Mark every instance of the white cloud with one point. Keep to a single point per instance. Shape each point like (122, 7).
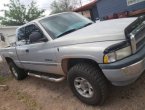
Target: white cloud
(47, 12)
(45, 4)
(26, 2)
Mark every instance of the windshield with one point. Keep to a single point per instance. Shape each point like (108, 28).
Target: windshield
(63, 24)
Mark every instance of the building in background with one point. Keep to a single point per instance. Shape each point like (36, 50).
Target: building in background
(9, 34)
(109, 9)
(89, 10)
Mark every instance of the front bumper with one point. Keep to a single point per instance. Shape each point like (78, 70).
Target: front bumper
(125, 71)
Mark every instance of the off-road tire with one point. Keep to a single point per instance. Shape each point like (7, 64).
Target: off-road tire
(95, 77)
(21, 74)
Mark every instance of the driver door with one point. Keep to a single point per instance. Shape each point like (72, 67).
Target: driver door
(37, 55)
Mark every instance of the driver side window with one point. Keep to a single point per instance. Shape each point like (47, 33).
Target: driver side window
(33, 34)
(30, 34)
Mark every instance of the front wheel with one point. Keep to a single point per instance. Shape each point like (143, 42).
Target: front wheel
(17, 72)
(88, 83)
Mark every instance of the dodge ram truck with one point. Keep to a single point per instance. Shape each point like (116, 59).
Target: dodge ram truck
(89, 55)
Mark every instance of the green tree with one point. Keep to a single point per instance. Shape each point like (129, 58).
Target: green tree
(63, 6)
(19, 14)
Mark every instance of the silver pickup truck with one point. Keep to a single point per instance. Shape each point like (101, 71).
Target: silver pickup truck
(89, 55)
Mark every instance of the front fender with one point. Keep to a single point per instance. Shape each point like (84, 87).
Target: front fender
(93, 51)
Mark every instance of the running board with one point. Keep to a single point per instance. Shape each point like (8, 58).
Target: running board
(47, 77)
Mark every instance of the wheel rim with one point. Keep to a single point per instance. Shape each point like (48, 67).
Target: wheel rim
(14, 72)
(83, 87)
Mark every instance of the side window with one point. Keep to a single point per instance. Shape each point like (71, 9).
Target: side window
(30, 34)
(33, 33)
(21, 34)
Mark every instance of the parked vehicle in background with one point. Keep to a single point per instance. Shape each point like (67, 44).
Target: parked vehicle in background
(89, 55)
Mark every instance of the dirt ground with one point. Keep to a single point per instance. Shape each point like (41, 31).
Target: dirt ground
(37, 94)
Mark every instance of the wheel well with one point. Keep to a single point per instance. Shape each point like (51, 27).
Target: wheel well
(8, 60)
(68, 63)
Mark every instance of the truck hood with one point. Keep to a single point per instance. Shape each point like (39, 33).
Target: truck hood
(110, 30)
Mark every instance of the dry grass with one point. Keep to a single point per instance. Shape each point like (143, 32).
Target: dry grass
(2, 80)
(37, 94)
(22, 97)
(27, 100)
(4, 73)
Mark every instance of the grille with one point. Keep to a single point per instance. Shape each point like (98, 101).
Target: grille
(135, 33)
(140, 38)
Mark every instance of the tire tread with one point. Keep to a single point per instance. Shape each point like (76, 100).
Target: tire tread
(95, 74)
(22, 74)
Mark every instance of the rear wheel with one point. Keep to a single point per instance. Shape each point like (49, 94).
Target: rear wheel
(88, 83)
(17, 72)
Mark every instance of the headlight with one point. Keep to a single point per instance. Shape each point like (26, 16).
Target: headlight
(121, 51)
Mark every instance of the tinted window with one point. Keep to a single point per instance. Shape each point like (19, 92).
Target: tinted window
(29, 29)
(25, 32)
(33, 32)
(21, 34)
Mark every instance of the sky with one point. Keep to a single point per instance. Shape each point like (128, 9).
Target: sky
(42, 4)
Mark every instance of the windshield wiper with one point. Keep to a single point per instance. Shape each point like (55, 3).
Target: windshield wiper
(66, 32)
(87, 24)
(72, 30)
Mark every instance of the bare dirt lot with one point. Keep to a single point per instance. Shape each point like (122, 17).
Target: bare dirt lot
(38, 94)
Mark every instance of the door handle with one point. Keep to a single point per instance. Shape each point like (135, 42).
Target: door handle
(27, 50)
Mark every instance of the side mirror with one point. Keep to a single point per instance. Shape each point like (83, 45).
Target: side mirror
(43, 39)
(36, 37)
(2, 37)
